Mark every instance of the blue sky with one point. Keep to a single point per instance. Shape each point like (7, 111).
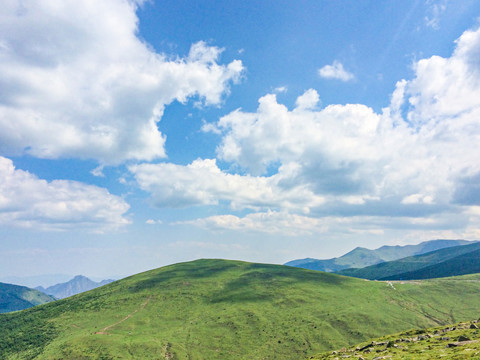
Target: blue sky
(135, 134)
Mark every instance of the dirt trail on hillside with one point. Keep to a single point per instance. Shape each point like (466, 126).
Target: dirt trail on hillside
(104, 330)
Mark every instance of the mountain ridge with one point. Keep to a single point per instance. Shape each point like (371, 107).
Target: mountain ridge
(72, 287)
(438, 263)
(361, 257)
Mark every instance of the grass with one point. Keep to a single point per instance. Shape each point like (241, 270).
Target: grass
(218, 309)
(458, 341)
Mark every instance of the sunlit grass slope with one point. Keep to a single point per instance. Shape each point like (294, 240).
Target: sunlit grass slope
(218, 309)
(456, 341)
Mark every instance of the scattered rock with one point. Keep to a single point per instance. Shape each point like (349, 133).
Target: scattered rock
(463, 338)
(367, 346)
(473, 326)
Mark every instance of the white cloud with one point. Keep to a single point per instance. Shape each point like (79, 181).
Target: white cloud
(153, 222)
(286, 223)
(335, 71)
(413, 166)
(308, 100)
(265, 222)
(27, 201)
(436, 10)
(360, 161)
(209, 127)
(322, 138)
(76, 81)
(446, 91)
(203, 183)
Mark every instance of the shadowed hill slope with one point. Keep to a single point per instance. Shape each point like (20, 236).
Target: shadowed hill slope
(362, 257)
(219, 309)
(15, 297)
(458, 260)
(468, 263)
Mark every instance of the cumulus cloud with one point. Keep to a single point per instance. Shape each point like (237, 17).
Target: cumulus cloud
(30, 202)
(335, 71)
(413, 165)
(76, 81)
(203, 183)
(308, 100)
(417, 158)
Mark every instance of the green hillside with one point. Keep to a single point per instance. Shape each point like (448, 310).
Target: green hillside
(15, 297)
(458, 341)
(440, 263)
(362, 257)
(218, 309)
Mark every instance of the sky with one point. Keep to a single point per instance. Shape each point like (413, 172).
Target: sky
(136, 134)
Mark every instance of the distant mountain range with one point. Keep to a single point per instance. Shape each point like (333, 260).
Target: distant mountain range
(75, 286)
(452, 261)
(32, 281)
(361, 257)
(15, 297)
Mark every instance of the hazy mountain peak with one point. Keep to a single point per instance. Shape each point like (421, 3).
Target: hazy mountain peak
(77, 285)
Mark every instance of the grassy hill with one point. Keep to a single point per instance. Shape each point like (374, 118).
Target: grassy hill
(218, 309)
(458, 341)
(458, 260)
(14, 297)
(362, 257)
